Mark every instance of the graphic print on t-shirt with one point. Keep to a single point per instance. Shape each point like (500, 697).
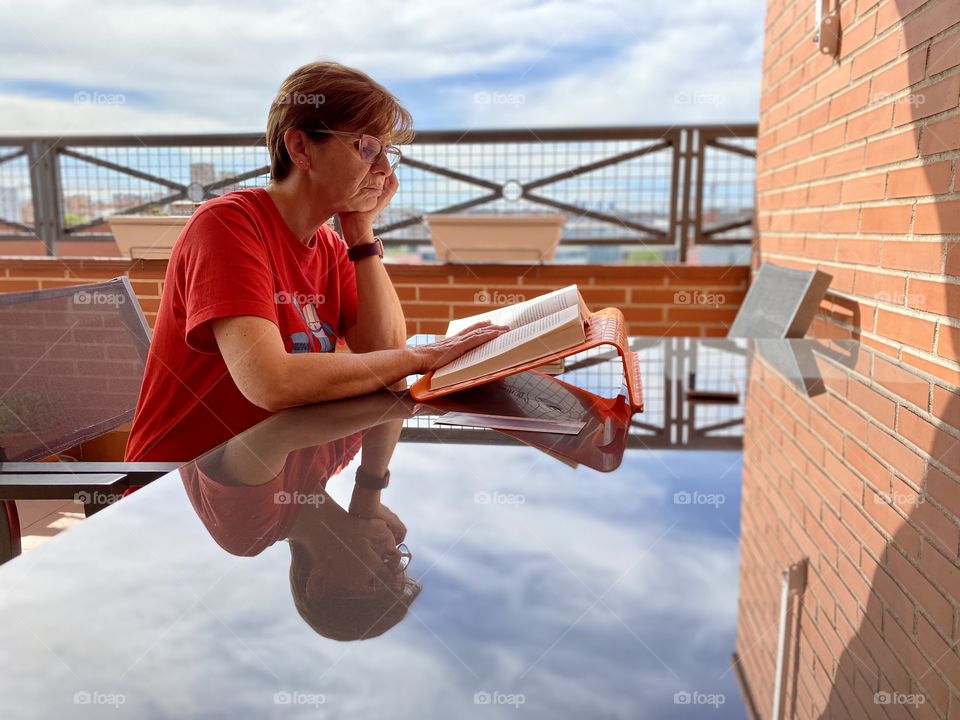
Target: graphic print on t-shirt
(321, 330)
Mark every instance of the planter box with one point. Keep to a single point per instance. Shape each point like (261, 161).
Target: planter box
(146, 236)
(495, 238)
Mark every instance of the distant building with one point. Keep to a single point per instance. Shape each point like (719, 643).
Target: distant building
(9, 204)
(203, 173)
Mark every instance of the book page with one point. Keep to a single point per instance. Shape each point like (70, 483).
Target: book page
(510, 340)
(522, 313)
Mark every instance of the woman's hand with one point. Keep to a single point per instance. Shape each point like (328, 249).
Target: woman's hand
(358, 225)
(437, 354)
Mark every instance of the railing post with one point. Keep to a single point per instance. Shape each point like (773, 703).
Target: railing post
(45, 187)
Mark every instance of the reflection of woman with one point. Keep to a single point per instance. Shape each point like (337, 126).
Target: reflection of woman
(347, 567)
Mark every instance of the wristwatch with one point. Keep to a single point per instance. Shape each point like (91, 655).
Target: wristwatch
(372, 481)
(358, 252)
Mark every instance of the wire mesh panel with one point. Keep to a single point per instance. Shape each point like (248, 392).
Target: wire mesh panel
(16, 196)
(610, 190)
(726, 188)
(97, 181)
(619, 190)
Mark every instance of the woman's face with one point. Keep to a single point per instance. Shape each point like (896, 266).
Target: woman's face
(342, 177)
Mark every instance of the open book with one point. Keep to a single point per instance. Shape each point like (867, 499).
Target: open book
(539, 327)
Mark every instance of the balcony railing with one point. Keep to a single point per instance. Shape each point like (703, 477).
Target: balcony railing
(672, 187)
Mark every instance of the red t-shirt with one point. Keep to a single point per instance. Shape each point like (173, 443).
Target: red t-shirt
(236, 256)
(247, 519)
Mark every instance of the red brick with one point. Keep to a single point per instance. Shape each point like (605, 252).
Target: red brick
(879, 53)
(872, 122)
(953, 259)
(894, 148)
(949, 343)
(886, 219)
(935, 17)
(897, 77)
(919, 256)
(946, 405)
(868, 187)
(857, 35)
(933, 99)
(849, 101)
(906, 329)
(932, 179)
(941, 446)
(932, 296)
(940, 136)
(943, 489)
(938, 218)
(866, 252)
(944, 54)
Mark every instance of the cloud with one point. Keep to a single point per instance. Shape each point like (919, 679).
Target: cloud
(216, 65)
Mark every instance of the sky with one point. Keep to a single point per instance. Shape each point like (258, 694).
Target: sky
(163, 66)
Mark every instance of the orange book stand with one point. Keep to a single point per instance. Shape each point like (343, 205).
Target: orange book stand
(606, 327)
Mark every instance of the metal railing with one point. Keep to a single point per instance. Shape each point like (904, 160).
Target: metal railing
(672, 186)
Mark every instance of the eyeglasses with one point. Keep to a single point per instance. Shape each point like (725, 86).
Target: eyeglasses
(370, 147)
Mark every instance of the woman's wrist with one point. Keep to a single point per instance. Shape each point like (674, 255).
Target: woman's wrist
(356, 234)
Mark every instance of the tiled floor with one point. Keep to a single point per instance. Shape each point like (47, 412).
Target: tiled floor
(40, 520)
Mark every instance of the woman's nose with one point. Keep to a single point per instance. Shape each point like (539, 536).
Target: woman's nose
(382, 165)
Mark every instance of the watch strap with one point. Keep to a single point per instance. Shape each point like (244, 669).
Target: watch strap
(372, 481)
(358, 252)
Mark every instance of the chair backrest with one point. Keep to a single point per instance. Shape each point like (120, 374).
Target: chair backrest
(781, 303)
(71, 364)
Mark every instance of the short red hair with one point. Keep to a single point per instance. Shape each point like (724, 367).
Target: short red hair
(335, 97)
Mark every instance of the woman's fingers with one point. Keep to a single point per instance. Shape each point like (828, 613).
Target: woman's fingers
(475, 326)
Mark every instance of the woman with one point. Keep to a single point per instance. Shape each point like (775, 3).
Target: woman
(259, 290)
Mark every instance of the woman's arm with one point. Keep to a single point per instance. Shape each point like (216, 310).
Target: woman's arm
(273, 379)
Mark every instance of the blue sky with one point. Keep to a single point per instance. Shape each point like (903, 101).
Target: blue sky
(165, 66)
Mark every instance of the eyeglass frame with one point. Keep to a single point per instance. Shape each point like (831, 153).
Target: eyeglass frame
(360, 136)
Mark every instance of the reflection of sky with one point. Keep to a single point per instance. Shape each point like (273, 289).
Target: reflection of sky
(596, 597)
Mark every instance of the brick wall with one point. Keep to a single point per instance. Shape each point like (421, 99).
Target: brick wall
(864, 481)
(858, 175)
(857, 170)
(656, 300)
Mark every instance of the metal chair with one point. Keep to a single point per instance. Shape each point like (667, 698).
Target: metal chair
(71, 364)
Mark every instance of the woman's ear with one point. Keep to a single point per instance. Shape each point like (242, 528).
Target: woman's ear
(296, 143)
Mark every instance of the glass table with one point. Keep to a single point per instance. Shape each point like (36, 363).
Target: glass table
(679, 562)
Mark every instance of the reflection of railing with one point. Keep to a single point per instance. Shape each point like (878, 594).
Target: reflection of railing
(671, 186)
(668, 420)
